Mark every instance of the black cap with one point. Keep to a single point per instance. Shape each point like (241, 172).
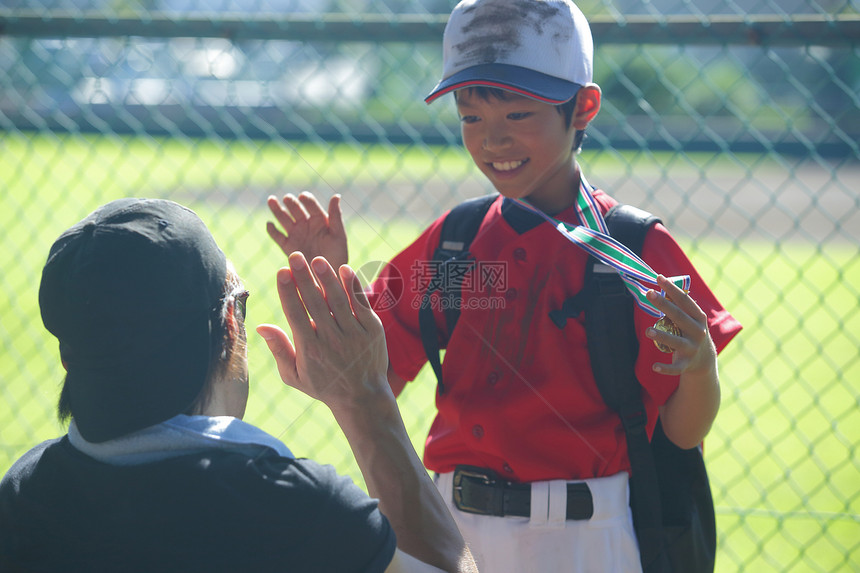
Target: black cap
(130, 292)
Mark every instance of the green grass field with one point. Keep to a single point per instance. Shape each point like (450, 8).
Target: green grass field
(783, 454)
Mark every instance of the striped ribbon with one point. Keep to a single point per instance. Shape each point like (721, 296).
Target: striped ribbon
(593, 236)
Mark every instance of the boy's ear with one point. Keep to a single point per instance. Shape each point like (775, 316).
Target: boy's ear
(587, 106)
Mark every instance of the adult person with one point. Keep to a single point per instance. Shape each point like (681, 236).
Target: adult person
(158, 471)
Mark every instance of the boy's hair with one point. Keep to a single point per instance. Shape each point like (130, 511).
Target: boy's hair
(566, 109)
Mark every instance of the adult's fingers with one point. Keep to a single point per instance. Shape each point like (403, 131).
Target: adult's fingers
(335, 297)
(309, 290)
(358, 298)
(293, 306)
(282, 350)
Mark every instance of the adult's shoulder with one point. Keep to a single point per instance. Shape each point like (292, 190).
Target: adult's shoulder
(25, 465)
(14, 507)
(222, 510)
(277, 489)
(279, 508)
(263, 477)
(320, 506)
(307, 476)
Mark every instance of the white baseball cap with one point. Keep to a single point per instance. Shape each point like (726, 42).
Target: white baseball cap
(540, 49)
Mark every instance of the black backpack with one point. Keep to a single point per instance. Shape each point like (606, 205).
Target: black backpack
(670, 496)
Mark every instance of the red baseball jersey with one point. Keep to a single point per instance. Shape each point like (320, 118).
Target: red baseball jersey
(520, 397)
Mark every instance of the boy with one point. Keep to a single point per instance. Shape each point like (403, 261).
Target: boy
(520, 418)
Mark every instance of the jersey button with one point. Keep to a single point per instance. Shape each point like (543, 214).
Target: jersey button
(511, 294)
(478, 431)
(493, 378)
(519, 254)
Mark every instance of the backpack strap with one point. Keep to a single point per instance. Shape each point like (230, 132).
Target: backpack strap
(451, 256)
(611, 336)
(613, 348)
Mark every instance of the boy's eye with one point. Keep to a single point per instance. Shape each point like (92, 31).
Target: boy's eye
(519, 115)
(469, 118)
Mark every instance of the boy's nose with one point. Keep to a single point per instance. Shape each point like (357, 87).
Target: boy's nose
(496, 139)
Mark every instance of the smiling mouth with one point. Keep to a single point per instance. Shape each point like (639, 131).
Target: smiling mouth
(507, 165)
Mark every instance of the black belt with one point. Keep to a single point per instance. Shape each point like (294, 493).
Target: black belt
(478, 490)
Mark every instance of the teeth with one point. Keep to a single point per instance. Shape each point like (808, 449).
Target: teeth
(507, 165)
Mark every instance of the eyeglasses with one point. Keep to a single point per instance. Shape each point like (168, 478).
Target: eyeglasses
(241, 302)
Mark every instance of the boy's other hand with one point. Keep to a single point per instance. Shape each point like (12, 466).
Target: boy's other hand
(693, 348)
(690, 411)
(305, 227)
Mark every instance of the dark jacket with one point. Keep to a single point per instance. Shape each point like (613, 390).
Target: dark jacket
(61, 510)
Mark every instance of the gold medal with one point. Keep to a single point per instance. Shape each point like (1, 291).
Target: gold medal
(665, 324)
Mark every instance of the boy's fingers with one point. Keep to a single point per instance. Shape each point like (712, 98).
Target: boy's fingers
(311, 206)
(681, 299)
(668, 369)
(280, 211)
(689, 327)
(668, 339)
(275, 206)
(335, 216)
(668, 285)
(678, 306)
(295, 208)
(277, 236)
(663, 303)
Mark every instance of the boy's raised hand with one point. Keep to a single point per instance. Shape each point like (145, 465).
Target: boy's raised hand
(307, 228)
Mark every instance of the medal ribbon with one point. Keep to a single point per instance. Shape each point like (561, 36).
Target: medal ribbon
(593, 236)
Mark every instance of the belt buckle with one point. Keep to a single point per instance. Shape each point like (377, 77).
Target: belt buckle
(462, 473)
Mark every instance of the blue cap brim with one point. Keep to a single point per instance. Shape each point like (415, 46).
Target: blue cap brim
(515, 79)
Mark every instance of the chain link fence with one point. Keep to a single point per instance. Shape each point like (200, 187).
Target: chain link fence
(738, 125)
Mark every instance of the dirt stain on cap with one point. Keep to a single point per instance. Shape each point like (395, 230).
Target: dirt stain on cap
(495, 29)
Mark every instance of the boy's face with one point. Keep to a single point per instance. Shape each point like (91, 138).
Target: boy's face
(522, 146)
